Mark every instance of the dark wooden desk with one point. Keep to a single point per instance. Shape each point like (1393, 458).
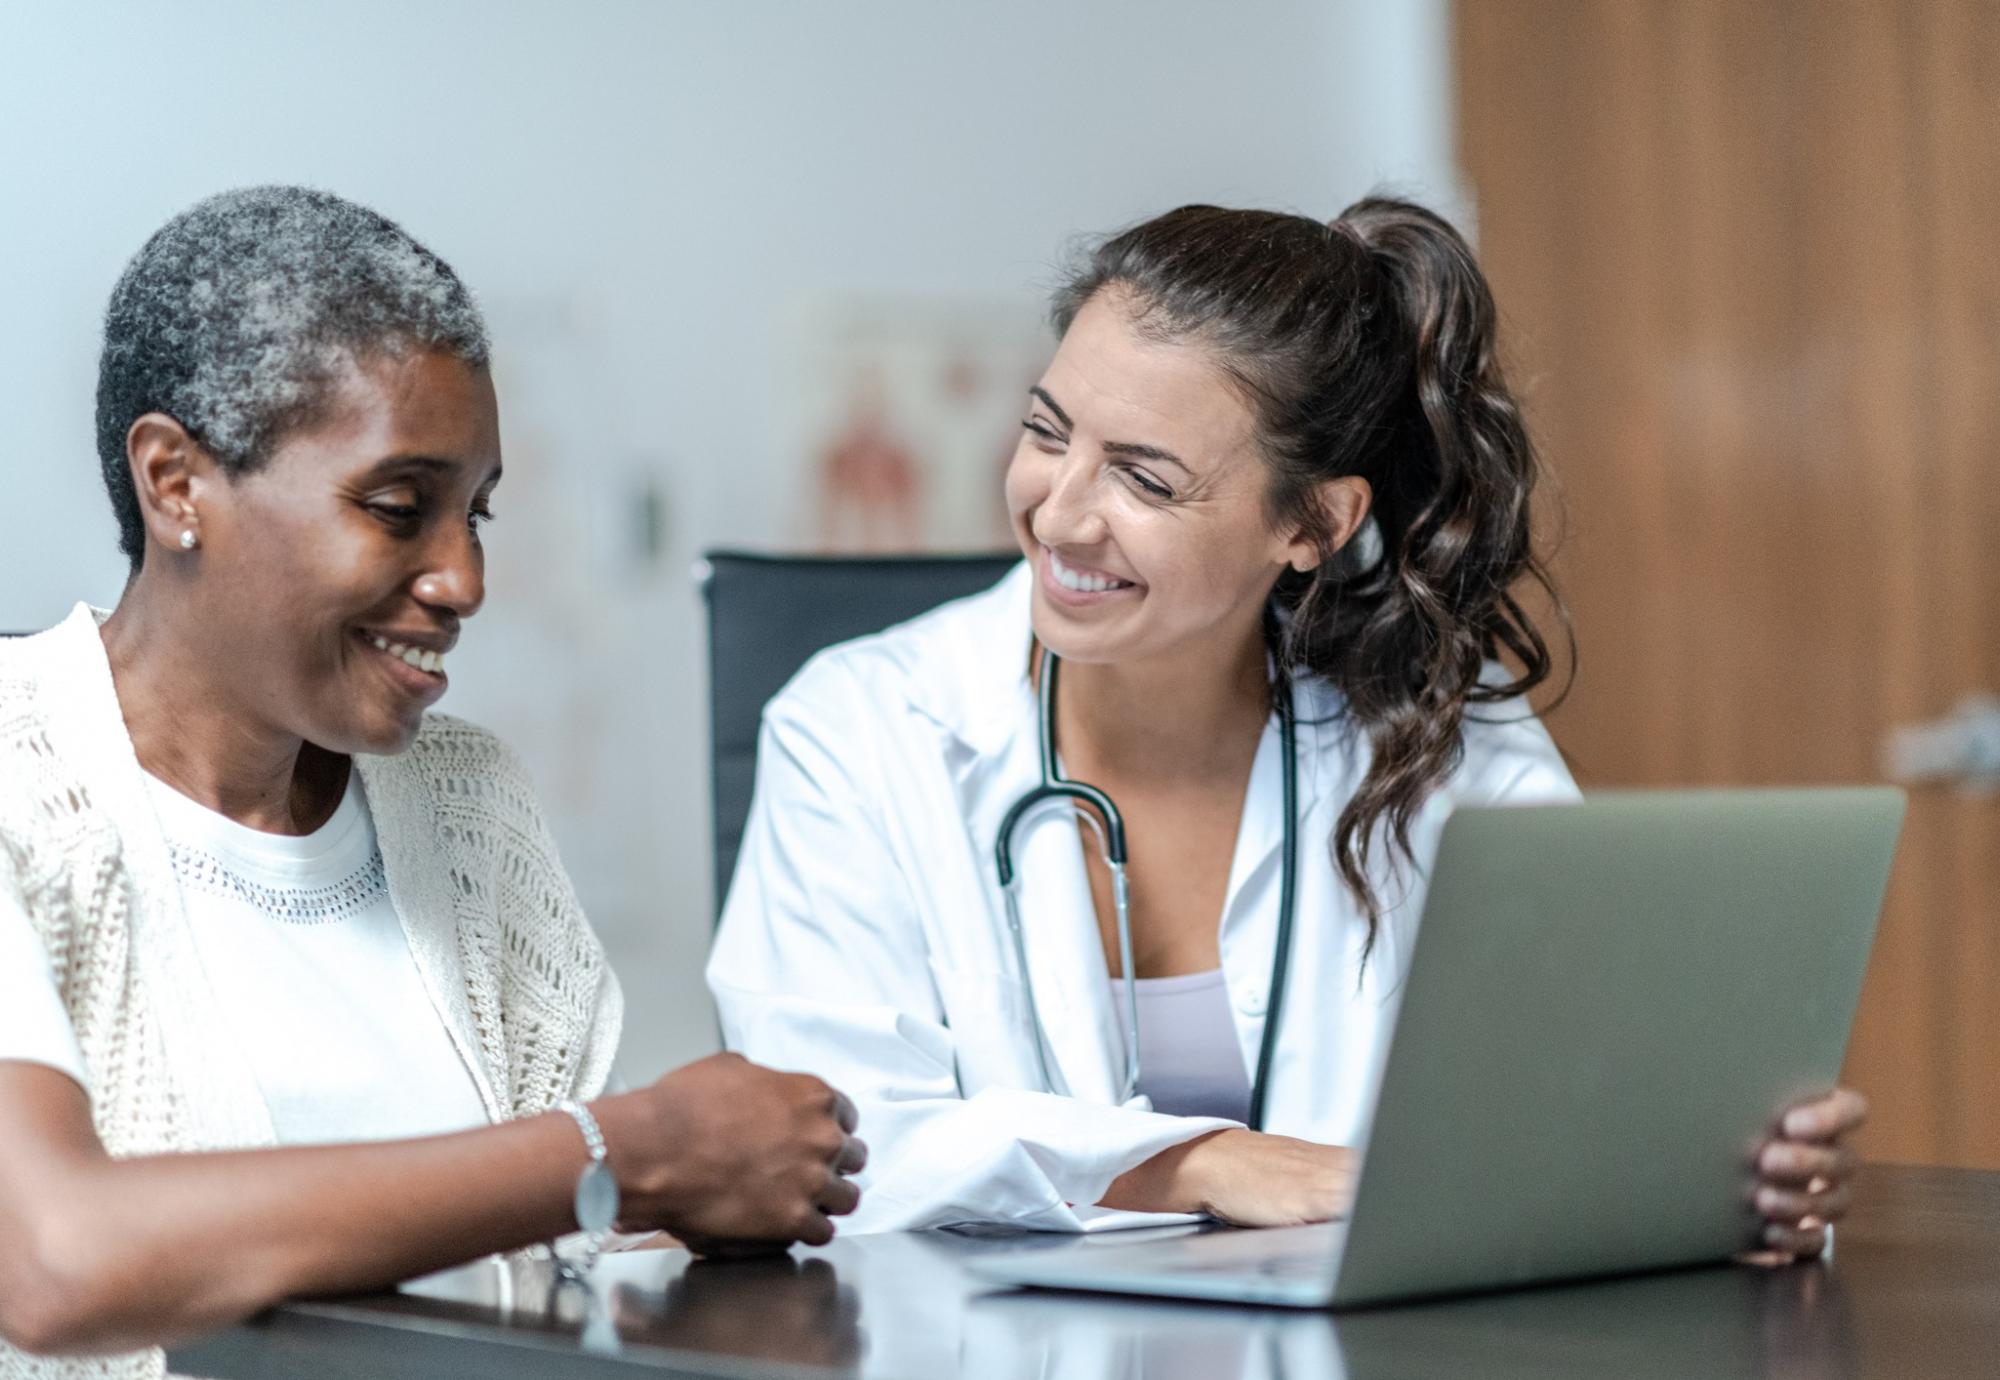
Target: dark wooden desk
(1914, 1292)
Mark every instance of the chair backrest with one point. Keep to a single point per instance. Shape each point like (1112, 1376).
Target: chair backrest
(767, 615)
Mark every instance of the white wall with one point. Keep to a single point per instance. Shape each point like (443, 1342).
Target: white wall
(639, 191)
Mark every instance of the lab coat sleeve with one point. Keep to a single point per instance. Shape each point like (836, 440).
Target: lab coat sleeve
(820, 965)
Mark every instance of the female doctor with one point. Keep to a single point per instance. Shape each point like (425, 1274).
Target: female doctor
(1272, 473)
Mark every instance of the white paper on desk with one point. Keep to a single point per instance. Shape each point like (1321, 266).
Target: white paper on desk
(1080, 1221)
(1067, 1220)
(1094, 1219)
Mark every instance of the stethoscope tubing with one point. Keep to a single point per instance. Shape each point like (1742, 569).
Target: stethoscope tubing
(1055, 786)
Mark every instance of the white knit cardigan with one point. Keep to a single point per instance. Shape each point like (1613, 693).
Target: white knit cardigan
(511, 966)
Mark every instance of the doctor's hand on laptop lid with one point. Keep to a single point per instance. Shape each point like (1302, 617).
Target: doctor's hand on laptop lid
(731, 1157)
(1805, 1174)
(1242, 1177)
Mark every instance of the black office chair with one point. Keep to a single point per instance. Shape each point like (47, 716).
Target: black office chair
(767, 615)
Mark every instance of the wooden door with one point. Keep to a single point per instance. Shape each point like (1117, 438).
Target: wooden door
(1748, 255)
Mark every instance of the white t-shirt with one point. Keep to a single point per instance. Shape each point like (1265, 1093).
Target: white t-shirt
(312, 977)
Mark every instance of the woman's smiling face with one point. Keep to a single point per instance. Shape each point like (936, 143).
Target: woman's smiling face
(1138, 493)
(343, 567)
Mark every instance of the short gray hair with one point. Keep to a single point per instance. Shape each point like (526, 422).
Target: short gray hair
(241, 313)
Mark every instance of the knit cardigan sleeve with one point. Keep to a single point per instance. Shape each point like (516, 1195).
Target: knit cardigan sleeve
(546, 894)
(544, 1005)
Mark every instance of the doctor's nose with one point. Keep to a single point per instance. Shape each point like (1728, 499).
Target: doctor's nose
(1068, 514)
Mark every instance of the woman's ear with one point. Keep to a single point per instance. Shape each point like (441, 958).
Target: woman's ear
(169, 472)
(1343, 506)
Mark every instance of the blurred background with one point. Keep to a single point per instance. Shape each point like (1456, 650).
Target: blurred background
(771, 275)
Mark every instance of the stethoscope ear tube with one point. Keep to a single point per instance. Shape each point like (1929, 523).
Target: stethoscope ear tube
(1288, 870)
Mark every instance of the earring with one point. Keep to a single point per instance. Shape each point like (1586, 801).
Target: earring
(189, 541)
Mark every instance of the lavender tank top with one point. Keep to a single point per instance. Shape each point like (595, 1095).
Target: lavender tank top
(1189, 1062)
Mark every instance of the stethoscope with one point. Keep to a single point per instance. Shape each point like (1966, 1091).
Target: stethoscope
(1109, 826)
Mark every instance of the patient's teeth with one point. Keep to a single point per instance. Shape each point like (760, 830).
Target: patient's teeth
(420, 657)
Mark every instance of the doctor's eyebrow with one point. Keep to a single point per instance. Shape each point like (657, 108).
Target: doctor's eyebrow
(1133, 448)
(1146, 453)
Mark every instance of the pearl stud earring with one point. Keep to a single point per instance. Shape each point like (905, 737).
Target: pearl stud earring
(189, 541)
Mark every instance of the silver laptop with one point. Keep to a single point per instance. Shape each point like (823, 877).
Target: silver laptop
(1607, 1006)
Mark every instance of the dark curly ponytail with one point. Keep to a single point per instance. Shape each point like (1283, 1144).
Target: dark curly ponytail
(1367, 349)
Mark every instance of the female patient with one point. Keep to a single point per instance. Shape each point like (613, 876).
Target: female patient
(1267, 450)
(252, 896)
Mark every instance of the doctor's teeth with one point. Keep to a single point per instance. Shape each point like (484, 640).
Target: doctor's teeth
(1077, 580)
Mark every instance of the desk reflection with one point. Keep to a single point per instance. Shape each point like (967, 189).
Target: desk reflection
(1915, 1293)
(774, 1308)
(1047, 1336)
(1789, 1324)
(1783, 1325)
(903, 1306)
(779, 1309)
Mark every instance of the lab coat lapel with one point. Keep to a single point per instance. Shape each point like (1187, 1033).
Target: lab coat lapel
(1065, 962)
(982, 698)
(1249, 933)
(1065, 956)
(1260, 830)
(1249, 924)
(1260, 835)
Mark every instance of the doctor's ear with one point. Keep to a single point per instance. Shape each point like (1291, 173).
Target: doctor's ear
(1343, 506)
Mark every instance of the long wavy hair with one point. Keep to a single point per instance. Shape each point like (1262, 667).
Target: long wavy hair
(1366, 348)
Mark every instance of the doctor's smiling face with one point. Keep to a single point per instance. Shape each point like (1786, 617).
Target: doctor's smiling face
(1139, 493)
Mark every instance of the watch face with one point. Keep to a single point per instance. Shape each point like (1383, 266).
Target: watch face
(596, 1199)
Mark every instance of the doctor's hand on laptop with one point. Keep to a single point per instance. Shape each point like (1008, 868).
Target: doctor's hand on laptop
(1805, 1174)
(1242, 1177)
(733, 1158)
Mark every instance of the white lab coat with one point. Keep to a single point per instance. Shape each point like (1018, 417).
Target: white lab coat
(864, 938)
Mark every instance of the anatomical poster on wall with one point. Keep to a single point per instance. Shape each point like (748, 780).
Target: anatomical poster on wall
(904, 414)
